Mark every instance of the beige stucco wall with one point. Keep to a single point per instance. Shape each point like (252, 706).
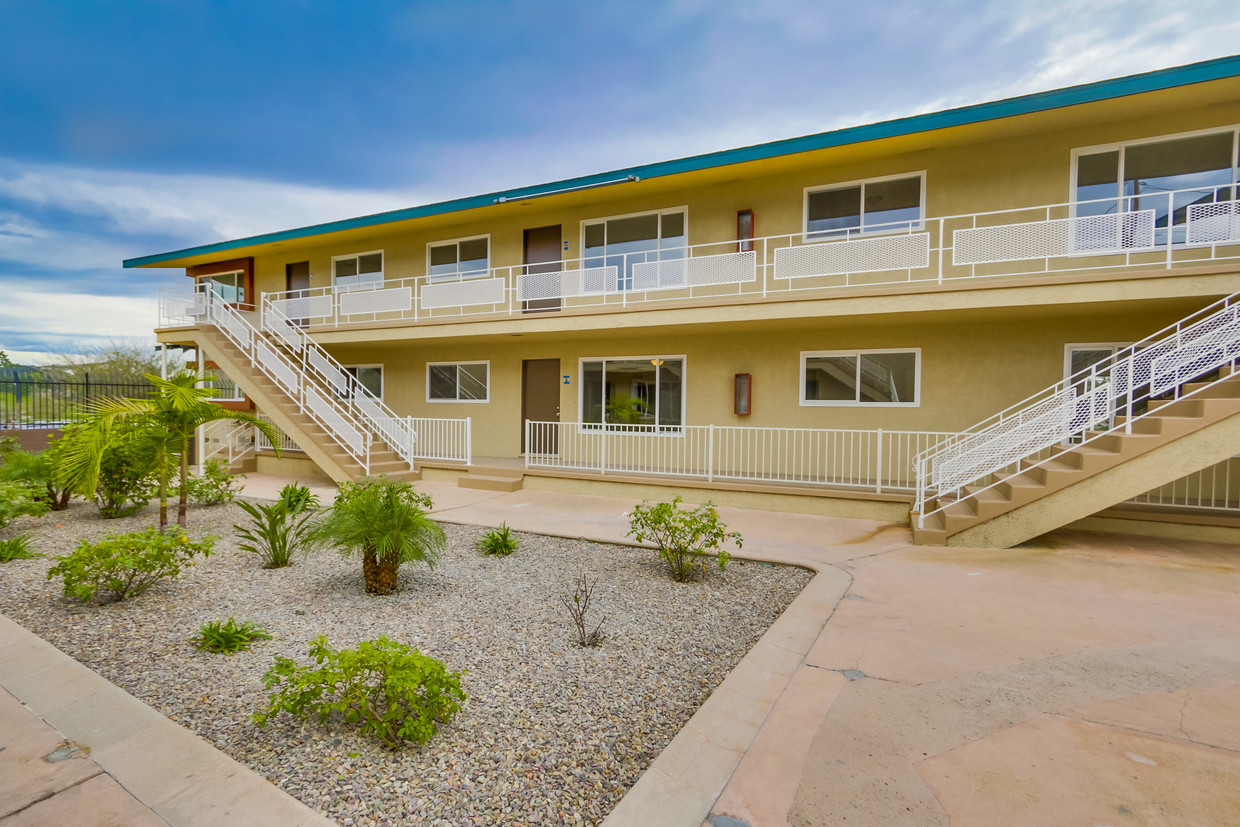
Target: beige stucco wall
(970, 368)
(1016, 163)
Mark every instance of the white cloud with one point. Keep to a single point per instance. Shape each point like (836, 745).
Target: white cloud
(71, 315)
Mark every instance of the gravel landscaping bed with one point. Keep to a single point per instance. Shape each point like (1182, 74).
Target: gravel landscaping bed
(551, 733)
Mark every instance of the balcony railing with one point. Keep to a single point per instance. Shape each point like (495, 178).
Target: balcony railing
(1133, 233)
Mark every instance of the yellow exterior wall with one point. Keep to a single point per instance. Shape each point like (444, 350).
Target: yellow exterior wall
(977, 175)
(969, 370)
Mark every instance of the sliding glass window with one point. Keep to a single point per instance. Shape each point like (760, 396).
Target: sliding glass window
(642, 391)
(622, 242)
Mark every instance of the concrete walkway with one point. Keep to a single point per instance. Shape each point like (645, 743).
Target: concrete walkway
(1082, 679)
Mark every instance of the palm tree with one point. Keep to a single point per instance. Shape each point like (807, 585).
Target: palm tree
(387, 522)
(175, 410)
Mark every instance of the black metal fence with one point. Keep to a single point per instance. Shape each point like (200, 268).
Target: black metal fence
(42, 403)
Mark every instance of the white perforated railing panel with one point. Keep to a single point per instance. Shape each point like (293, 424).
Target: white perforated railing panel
(462, 293)
(862, 255)
(1214, 223)
(271, 363)
(565, 283)
(288, 334)
(1080, 236)
(392, 299)
(725, 268)
(331, 419)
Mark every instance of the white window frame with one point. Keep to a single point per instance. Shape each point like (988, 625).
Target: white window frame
(603, 219)
(1114, 347)
(810, 237)
(1120, 146)
(369, 285)
(655, 429)
(242, 299)
(858, 403)
(379, 366)
(458, 276)
(458, 400)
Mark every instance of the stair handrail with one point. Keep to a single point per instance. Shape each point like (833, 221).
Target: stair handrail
(326, 412)
(1083, 407)
(231, 442)
(396, 432)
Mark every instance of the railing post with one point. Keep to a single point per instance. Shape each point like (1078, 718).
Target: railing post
(603, 460)
(878, 472)
(469, 440)
(710, 452)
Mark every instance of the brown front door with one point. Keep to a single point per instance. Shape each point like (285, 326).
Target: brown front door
(540, 402)
(542, 255)
(297, 283)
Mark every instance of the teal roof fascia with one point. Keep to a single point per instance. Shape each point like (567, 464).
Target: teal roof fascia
(1215, 69)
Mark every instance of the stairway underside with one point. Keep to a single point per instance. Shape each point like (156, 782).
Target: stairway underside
(1179, 438)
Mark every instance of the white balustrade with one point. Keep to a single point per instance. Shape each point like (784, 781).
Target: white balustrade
(1215, 223)
(1082, 235)
(863, 255)
(463, 293)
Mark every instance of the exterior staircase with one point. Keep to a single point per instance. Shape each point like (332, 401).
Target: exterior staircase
(1162, 409)
(339, 425)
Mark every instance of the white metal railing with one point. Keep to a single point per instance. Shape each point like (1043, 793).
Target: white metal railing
(1083, 407)
(326, 411)
(1216, 488)
(876, 460)
(227, 441)
(261, 443)
(1106, 235)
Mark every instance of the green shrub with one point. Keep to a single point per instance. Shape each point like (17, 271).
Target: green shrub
(384, 520)
(37, 470)
(391, 690)
(215, 485)
(498, 542)
(687, 538)
(226, 637)
(16, 548)
(274, 533)
(121, 566)
(128, 470)
(297, 498)
(19, 498)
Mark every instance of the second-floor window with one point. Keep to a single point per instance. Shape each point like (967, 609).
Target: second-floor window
(461, 258)
(879, 205)
(1173, 177)
(628, 240)
(360, 270)
(228, 286)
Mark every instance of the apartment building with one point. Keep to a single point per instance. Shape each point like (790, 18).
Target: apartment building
(973, 312)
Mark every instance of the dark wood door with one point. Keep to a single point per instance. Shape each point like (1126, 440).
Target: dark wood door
(297, 283)
(540, 402)
(542, 255)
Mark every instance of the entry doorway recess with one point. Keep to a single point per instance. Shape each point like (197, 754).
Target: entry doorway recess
(540, 402)
(297, 283)
(542, 255)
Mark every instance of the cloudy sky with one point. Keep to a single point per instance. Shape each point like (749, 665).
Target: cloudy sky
(130, 128)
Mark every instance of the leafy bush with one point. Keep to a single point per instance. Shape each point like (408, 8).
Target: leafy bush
(121, 566)
(275, 534)
(498, 542)
(16, 548)
(391, 690)
(226, 637)
(297, 498)
(19, 498)
(37, 469)
(215, 485)
(128, 470)
(387, 522)
(687, 538)
(578, 604)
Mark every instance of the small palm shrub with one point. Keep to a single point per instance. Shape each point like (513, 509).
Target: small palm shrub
(297, 498)
(386, 522)
(499, 542)
(688, 539)
(389, 689)
(121, 566)
(274, 533)
(227, 637)
(128, 471)
(20, 498)
(215, 485)
(16, 548)
(36, 469)
(577, 602)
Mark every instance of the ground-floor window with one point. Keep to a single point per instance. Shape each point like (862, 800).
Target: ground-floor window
(369, 377)
(635, 390)
(458, 381)
(861, 377)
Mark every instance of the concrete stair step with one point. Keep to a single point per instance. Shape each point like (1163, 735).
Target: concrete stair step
(490, 482)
